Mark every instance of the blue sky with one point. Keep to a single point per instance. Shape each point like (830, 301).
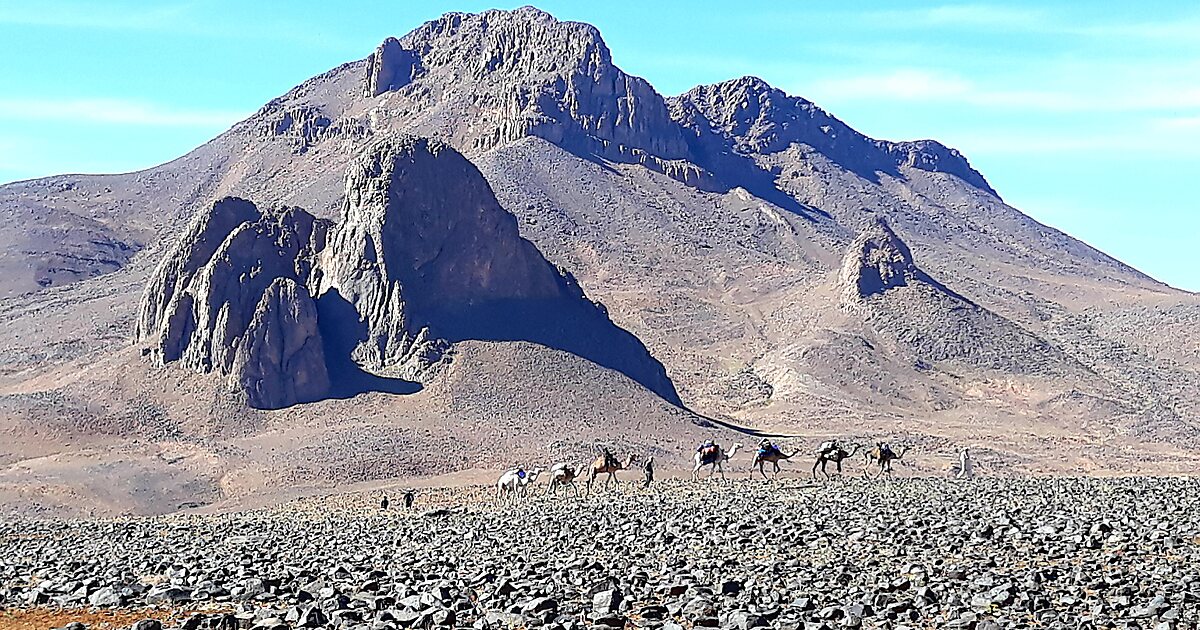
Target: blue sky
(1084, 115)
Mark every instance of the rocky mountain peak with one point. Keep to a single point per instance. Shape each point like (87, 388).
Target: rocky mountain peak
(524, 73)
(522, 41)
(755, 118)
(755, 115)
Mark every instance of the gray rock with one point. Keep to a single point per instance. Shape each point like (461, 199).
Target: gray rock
(105, 596)
(391, 67)
(233, 305)
(607, 602)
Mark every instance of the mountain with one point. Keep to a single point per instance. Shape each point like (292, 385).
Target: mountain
(788, 273)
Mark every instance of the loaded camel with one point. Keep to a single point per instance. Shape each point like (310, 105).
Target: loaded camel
(515, 482)
(714, 456)
(768, 452)
(562, 475)
(832, 451)
(881, 458)
(607, 464)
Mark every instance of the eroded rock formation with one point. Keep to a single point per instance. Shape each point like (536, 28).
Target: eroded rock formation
(225, 299)
(424, 256)
(876, 261)
(926, 320)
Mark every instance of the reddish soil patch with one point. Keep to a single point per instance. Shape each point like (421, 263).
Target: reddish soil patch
(94, 619)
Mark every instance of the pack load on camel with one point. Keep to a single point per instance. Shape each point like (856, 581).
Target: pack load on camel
(767, 448)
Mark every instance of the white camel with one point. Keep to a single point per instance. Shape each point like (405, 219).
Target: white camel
(713, 457)
(562, 475)
(515, 482)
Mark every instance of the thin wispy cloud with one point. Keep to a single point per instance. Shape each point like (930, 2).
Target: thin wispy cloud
(113, 112)
(1178, 123)
(1014, 143)
(924, 85)
(93, 15)
(1184, 28)
(178, 18)
(958, 15)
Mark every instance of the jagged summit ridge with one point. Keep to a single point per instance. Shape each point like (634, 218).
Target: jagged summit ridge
(524, 73)
(755, 117)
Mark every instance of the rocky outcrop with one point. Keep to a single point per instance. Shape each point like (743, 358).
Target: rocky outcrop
(391, 67)
(195, 247)
(223, 300)
(426, 256)
(280, 359)
(876, 261)
(935, 157)
(423, 257)
(928, 322)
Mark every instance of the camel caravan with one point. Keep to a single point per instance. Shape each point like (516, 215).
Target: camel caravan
(877, 463)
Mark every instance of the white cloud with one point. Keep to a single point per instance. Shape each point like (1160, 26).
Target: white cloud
(91, 15)
(982, 15)
(1071, 22)
(114, 112)
(931, 86)
(1178, 123)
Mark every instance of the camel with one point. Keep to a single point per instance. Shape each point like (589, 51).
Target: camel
(528, 480)
(607, 464)
(515, 482)
(563, 474)
(881, 457)
(768, 452)
(713, 457)
(832, 452)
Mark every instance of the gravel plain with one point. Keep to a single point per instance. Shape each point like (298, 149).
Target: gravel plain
(902, 553)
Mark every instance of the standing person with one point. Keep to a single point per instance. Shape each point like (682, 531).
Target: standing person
(408, 499)
(648, 472)
(966, 469)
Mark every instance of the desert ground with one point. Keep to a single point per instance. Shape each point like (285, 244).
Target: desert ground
(904, 552)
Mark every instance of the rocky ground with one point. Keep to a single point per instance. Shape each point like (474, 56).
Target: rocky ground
(907, 553)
